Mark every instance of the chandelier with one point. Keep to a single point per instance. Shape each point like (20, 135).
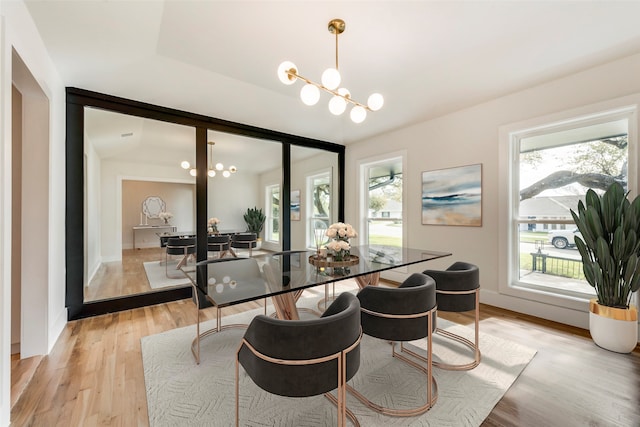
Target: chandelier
(213, 170)
(310, 92)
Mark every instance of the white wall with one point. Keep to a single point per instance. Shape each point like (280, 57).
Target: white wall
(471, 136)
(17, 31)
(230, 197)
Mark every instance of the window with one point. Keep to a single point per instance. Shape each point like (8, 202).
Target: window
(319, 202)
(383, 201)
(272, 209)
(552, 168)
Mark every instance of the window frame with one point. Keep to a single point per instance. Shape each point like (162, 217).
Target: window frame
(310, 218)
(510, 135)
(398, 274)
(268, 197)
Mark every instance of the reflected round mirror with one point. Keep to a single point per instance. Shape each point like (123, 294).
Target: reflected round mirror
(153, 206)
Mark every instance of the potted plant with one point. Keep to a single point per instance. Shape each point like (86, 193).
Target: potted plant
(610, 250)
(255, 221)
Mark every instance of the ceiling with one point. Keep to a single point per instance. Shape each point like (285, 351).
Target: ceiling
(428, 58)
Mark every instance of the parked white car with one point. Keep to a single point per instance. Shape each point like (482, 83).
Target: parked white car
(563, 239)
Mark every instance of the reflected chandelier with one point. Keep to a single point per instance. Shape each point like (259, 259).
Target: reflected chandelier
(212, 170)
(310, 92)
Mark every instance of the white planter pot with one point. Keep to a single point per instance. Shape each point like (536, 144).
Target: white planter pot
(613, 329)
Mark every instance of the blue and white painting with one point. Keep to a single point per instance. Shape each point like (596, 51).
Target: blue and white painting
(452, 196)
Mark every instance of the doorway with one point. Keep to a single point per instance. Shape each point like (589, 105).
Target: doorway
(29, 224)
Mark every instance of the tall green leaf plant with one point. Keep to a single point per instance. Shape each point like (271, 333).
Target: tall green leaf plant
(610, 244)
(255, 220)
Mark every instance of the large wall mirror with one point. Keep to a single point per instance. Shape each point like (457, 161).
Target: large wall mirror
(132, 184)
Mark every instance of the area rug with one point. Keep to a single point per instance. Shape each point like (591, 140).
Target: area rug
(157, 275)
(181, 393)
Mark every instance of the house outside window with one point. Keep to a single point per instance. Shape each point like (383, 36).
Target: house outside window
(552, 169)
(383, 198)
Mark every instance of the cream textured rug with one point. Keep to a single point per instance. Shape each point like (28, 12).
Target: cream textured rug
(157, 275)
(181, 393)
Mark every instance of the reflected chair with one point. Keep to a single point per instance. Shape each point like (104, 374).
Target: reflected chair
(458, 290)
(301, 358)
(405, 313)
(177, 246)
(244, 241)
(219, 244)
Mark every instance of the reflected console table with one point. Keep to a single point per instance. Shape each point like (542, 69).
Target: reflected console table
(137, 228)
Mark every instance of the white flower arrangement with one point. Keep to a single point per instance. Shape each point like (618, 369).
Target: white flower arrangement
(340, 233)
(166, 216)
(212, 224)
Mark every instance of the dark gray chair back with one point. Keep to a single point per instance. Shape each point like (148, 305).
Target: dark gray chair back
(460, 276)
(417, 294)
(181, 246)
(335, 331)
(218, 243)
(244, 240)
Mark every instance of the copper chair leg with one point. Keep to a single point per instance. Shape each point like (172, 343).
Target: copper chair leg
(475, 346)
(432, 386)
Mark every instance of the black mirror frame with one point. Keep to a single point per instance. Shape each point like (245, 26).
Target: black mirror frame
(76, 101)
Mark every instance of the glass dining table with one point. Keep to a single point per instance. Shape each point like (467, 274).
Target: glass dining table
(283, 276)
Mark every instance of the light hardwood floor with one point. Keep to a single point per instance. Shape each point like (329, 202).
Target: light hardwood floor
(126, 277)
(94, 374)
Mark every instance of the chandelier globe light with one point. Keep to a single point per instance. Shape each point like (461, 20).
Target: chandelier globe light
(211, 170)
(330, 82)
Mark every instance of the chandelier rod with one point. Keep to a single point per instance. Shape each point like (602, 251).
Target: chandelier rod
(337, 34)
(293, 75)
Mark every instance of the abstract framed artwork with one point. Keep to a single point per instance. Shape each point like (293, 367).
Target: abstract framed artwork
(295, 205)
(452, 196)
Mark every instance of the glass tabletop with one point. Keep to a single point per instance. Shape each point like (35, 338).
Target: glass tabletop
(230, 281)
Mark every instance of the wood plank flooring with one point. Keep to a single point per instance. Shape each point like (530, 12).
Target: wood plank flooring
(94, 374)
(126, 277)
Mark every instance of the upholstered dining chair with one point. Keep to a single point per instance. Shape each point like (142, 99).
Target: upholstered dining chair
(219, 244)
(405, 313)
(244, 241)
(458, 290)
(177, 246)
(301, 358)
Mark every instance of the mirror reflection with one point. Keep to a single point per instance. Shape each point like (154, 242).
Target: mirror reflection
(314, 194)
(140, 193)
(134, 192)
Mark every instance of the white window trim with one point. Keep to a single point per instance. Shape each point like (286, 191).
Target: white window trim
(267, 208)
(561, 308)
(398, 274)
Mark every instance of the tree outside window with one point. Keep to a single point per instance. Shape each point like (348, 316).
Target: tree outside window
(555, 170)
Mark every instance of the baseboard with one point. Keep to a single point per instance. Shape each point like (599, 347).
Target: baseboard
(57, 326)
(567, 316)
(95, 270)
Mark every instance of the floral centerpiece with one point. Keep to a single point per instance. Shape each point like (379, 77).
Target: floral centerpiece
(165, 216)
(340, 233)
(212, 225)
